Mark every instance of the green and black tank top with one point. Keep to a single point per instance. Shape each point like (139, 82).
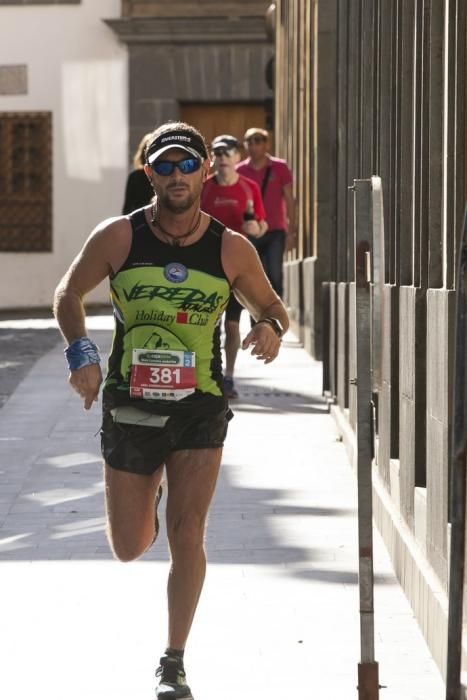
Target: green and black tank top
(167, 297)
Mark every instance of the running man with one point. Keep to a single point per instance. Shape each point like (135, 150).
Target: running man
(171, 268)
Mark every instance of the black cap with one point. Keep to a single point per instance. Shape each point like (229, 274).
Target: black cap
(179, 138)
(225, 141)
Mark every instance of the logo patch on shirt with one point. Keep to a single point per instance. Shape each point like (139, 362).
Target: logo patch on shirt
(175, 272)
(182, 317)
(225, 202)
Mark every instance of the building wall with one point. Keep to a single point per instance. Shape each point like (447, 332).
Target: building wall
(389, 78)
(76, 69)
(184, 53)
(162, 77)
(108, 72)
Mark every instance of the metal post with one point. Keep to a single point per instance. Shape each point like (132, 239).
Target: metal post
(368, 683)
(377, 278)
(326, 306)
(457, 482)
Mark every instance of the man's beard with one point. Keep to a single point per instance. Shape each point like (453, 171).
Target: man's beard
(177, 207)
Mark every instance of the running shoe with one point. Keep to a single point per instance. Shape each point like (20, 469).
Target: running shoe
(172, 684)
(229, 388)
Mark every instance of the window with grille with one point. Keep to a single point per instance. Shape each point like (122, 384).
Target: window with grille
(25, 182)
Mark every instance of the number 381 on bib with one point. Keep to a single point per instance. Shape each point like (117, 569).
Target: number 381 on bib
(162, 374)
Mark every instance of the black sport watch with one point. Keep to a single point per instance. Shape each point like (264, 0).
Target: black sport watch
(276, 326)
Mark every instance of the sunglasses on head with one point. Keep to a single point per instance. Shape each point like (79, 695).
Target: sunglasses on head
(256, 139)
(186, 166)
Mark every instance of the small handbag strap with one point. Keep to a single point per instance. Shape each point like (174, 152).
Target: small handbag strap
(264, 184)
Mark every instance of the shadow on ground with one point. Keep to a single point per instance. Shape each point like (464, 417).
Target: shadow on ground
(20, 349)
(55, 519)
(264, 398)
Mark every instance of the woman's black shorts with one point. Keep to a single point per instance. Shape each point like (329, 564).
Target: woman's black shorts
(142, 449)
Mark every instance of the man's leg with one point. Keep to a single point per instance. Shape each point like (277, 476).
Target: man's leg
(271, 256)
(130, 501)
(191, 479)
(232, 345)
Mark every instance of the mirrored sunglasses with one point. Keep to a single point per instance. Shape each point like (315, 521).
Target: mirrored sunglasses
(186, 166)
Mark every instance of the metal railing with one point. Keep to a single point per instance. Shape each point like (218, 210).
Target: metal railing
(368, 268)
(454, 689)
(368, 670)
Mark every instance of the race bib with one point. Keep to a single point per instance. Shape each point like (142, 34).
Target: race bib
(162, 374)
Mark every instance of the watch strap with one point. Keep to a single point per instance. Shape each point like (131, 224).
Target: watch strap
(274, 323)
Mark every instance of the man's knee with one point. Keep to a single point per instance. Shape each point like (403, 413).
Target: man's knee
(186, 533)
(128, 547)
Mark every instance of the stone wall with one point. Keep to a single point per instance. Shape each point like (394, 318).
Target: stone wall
(396, 83)
(191, 52)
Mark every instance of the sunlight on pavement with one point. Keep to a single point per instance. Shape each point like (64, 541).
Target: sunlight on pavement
(56, 496)
(9, 544)
(72, 459)
(95, 323)
(80, 527)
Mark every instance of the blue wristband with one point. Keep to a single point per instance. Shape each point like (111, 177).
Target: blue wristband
(82, 352)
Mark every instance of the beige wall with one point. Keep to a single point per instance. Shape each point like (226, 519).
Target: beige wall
(77, 70)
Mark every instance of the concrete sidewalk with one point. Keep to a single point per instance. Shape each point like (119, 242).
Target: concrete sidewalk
(279, 613)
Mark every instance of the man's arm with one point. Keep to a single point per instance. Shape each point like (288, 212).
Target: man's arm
(259, 210)
(253, 290)
(90, 267)
(290, 209)
(255, 228)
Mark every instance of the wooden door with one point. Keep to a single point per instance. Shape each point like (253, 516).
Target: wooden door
(214, 118)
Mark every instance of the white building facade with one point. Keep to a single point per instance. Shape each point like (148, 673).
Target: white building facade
(63, 121)
(81, 81)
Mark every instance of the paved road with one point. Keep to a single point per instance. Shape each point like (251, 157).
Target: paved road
(19, 350)
(24, 337)
(279, 614)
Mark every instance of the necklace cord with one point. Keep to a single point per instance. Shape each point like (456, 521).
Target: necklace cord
(170, 237)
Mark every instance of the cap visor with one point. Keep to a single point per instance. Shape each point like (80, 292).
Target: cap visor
(172, 147)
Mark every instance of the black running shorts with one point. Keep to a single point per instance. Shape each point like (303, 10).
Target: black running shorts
(142, 449)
